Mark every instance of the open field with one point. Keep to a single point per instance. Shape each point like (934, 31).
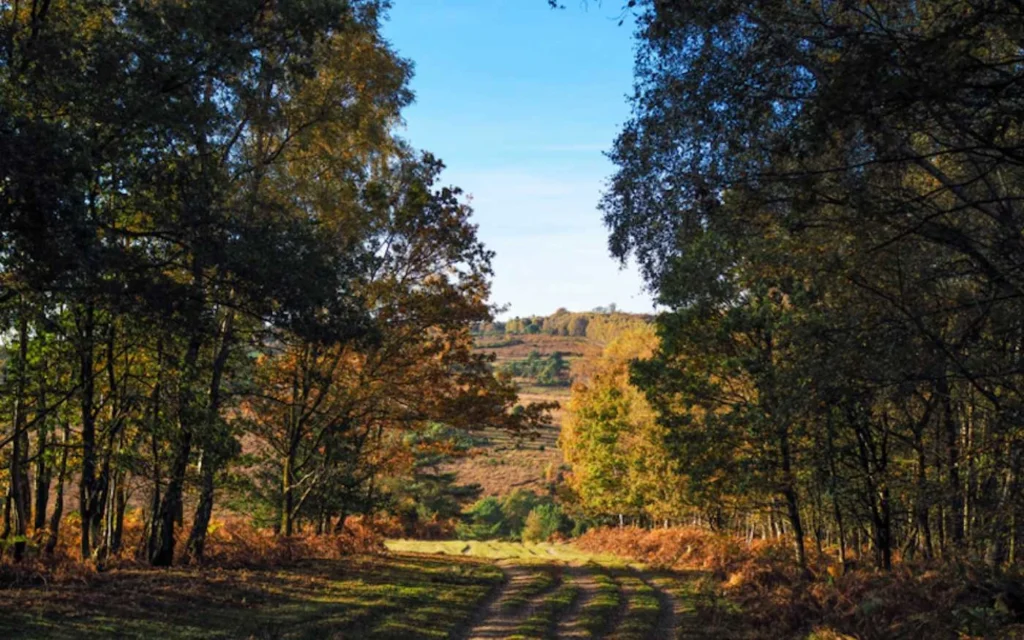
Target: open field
(520, 346)
(504, 463)
(500, 550)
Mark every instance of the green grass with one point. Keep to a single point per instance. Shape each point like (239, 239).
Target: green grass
(541, 623)
(387, 597)
(499, 550)
(642, 610)
(596, 615)
(541, 579)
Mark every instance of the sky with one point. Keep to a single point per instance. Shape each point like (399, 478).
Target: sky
(520, 102)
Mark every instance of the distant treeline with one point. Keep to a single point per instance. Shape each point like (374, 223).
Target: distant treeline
(602, 325)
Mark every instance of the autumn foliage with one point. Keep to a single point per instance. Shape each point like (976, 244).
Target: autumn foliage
(913, 600)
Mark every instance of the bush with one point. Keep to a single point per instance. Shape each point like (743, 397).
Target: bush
(521, 515)
(544, 521)
(485, 521)
(516, 507)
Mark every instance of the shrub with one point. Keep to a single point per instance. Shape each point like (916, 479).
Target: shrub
(485, 521)
(544, 521)
(516, 507)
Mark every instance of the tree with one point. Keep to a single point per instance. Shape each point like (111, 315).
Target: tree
(836, 181)
(618, 453)
(211, 233)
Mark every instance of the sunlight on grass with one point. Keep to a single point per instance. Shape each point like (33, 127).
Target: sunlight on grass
(501, 550)
(379, 597)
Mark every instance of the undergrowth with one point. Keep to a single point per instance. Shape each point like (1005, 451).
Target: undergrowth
(230, 544)
(911, 601)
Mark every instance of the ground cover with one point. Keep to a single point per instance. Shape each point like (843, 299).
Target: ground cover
(364, 597)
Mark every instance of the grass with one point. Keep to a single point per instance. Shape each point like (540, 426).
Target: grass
(500, 550)
(365, 597)
(597, 615)
(541, 623)
(541, 579)
(642, 610)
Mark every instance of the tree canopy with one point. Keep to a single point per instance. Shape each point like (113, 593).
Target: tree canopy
(826, 198)
(222, 270)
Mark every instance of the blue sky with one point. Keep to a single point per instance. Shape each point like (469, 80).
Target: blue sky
(520, 102)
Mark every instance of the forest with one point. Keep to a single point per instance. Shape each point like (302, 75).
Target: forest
(248, 333)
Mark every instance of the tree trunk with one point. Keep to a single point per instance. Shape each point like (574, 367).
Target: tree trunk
(196, 545)
(20, 489)
(954, 488)
(58, 501)
(792, 501)
(87, 383)
(161, 547)
(287, 497)
(217, 445)
(921, 505)
(43, 473)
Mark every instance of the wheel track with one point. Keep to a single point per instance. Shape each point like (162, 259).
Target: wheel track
(494, 620)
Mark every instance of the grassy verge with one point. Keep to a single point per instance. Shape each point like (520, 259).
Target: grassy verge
(364, 597)
(642, 610)
(596, 615)
(541, 623)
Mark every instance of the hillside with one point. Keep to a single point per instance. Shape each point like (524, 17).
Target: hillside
(504, 463)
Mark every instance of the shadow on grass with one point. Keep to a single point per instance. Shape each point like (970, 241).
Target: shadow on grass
(366, 597)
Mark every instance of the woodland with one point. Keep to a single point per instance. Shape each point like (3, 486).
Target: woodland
(246, 324)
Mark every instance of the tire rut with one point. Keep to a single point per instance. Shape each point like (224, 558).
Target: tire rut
(568, 625)
(494, 621)
(668, 608)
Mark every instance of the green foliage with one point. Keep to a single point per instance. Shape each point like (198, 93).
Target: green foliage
(602, 325)
(516, 507)
(545, 371)
(617, 450)
(545, 521)
(837, 260)
(212, 236)
(427, 493)
(514, 517)
(484, 521)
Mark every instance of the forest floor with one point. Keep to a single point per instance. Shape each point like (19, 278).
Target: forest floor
(421, 589)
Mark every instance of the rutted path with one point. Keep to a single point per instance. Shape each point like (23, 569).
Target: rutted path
(668, 610)
(500, 619)
(569, 625)
(556, 592)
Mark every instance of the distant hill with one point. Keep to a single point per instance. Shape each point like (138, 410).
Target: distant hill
(503, 464)
(601, 325)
